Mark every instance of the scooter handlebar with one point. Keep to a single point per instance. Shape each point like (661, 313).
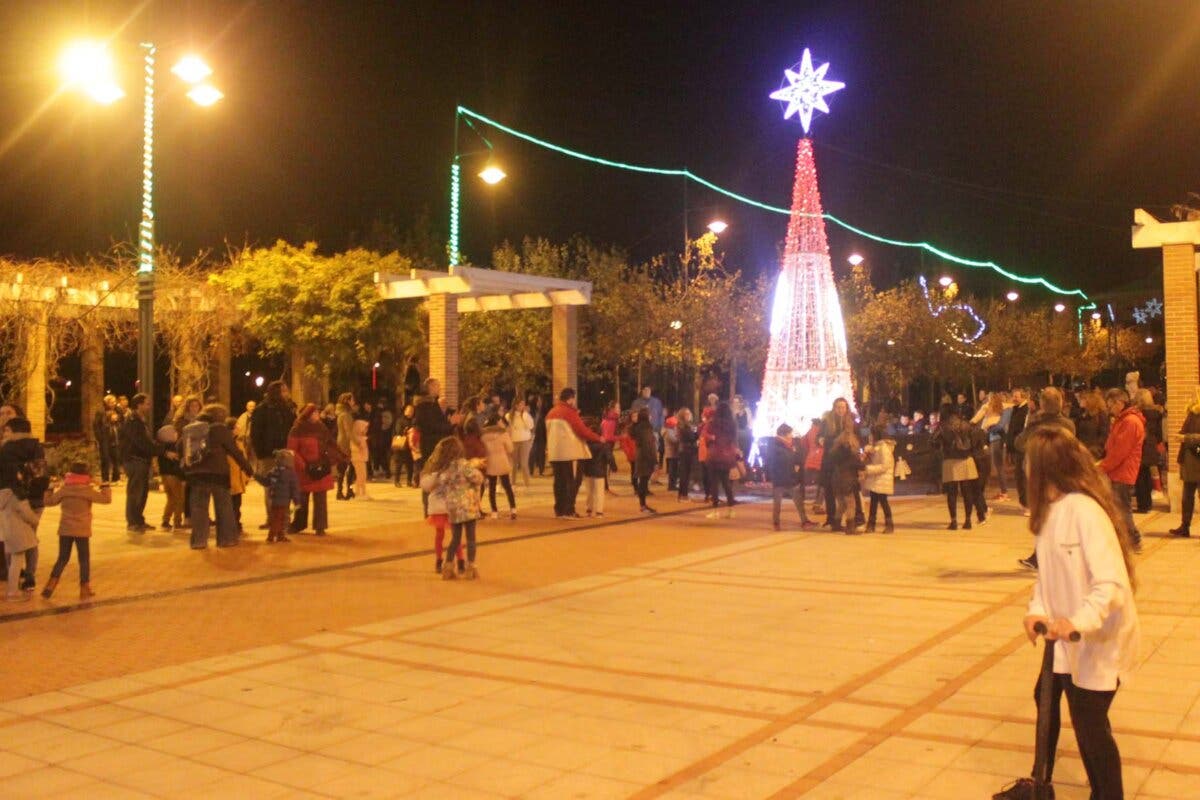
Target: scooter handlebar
(1040, 629)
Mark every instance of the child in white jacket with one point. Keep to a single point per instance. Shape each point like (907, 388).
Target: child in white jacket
(18, 526)
(880, 479)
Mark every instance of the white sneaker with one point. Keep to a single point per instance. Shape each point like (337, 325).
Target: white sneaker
(470, 573)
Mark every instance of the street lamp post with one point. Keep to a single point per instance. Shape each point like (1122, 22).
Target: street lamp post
(88, 67)
(490, 174)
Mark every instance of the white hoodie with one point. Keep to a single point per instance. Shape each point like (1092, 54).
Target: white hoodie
(1082, 577)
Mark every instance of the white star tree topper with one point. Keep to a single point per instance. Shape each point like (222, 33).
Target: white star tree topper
(806, 90)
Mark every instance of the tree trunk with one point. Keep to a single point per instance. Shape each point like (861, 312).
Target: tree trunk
(638, 388)
(732, 377)
(617, 383)
(697, 379)
(91, 361)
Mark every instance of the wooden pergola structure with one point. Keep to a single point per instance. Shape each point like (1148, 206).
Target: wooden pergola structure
(463, 290)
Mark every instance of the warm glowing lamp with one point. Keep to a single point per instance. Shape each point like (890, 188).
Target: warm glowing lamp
(191, 69)
(1096, 315)
(945, 281)
(1059, 307)
(1012, 297)
(205, 94)
(855, 259)
(492, 174)
(676, 324)
(1149, 340)
(718, 226)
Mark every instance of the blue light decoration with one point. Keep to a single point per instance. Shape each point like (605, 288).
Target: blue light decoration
(805, 90)
(956, 334)
(1154, 307)
(1140, 316)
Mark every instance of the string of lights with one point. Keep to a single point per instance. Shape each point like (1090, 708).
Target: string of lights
(688, 175)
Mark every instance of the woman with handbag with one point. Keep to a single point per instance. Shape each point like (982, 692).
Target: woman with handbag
(720, 436)
(316, 457)
(402, 452)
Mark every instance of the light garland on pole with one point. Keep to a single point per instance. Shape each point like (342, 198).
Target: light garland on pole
(146, 226)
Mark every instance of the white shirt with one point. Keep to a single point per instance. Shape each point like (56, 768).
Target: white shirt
(520, 426)
(1082, 577)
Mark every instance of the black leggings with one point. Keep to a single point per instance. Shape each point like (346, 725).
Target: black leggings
(878, 500)
(718, 477)
(506, 482)
(1093, 733)
(1189, 502)
(641, 486)
(83, 546)
(968, 496)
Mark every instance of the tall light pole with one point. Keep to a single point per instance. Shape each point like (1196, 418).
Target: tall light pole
(88, 67)
(490, 174)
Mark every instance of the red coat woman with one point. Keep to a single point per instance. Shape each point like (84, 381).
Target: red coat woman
(316, 457)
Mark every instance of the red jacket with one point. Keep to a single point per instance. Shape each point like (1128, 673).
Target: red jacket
(1123, 450)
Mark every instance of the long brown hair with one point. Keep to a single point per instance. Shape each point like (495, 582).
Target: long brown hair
(1059, 461)
(448, 451)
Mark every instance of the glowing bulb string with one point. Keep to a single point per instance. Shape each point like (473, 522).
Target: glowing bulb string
(687, 174)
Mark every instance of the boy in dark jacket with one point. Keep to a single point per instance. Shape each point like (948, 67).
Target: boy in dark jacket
(785, 469)
(283, 489)
(595, 471)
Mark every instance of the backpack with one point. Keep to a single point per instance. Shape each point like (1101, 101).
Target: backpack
(194, 444)
(958, 443)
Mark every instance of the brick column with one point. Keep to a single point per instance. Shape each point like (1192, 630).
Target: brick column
(35, 369)
(564, 348)
(1183, 350)
(443, 344)
(223, 369)
(91, 362)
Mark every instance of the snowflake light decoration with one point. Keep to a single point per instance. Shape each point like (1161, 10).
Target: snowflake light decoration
(1154, 307)
(1140, 316)
(806, 90)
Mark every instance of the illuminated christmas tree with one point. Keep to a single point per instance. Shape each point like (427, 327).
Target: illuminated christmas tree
(807, 366)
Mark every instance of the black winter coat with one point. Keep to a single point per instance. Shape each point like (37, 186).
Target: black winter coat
(20, 449)
(785, 464)
(269, 427)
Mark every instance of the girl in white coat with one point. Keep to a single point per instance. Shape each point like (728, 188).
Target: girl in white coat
(880, 478)
(1085, 583)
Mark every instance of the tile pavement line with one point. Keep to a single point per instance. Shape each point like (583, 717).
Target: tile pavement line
(814, 590)
(1022, 573)
(461, 672)
(318, 570)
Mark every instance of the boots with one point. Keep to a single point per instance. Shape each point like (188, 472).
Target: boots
(85, 591)
(888, 527)
(49, 587)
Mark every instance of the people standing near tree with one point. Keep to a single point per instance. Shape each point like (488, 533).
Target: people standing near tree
(656, 415)
(187, 414)
(346, 409)
(1016, 425)
(1152, 414)
(537, 453)
(270, 423)
(431, 426)
(814, 455)
(880, 480)
(720, 436)
(595, 475)
(379, 439)
(451, 480)
(137, 448)
(403, 456)
(520, 428)
(19, 534)
(953, 440)
(785, 470)
(76, 496)
(992, 418)
(688, 451)
(282, 488)
(1188, 460)
(238, 479)
(610, 420)
(436, 513)
(170, 474)
(566, 438)
(670, 439)
(1123, 455)
(833, 422)
(105, 431)
(1092, 426)
(208, 449)
(744, 423)
(241, 434)
(360, 455)
(983, 466)
(645, 460)
(1086, 586)
(316, 457)
(499, 449)
(845, 464)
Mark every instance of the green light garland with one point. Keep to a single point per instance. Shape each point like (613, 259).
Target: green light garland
(683, 173)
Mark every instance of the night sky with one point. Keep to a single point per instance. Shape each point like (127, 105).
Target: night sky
(1024, 132)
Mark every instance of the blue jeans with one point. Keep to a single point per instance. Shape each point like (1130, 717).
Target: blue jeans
(137, 489)
(227, 527)
(82, 544)
(456, 534)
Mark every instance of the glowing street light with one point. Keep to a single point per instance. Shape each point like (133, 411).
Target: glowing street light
(88, 67)
(1012, 297)
(945, 281)
(676, 324)
(1096, 315)
(1149, 340)
(1059, 307)
(718, 226)
(855, 259)
(492, 174)
(891, 343)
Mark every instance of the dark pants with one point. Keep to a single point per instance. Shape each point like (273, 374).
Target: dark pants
(227, 527)
(984, 467)
(1142, 489)
(967, 489)
(277, 519)
(345, 479)
(672, 473)
(108, 463)
(320, 515)
(1093, 733)
(137, 489)
(1123, 495)
(402, 463)
(1018, 460)
(878, 500)
(718, 477)
(641, 487)
(566, 486)
(831, 502)
(1189, 502)
(236, 502)
(687, 466)
(537, 456)
(457, 529)
(505, 482)
(82, 546)
(796, 493)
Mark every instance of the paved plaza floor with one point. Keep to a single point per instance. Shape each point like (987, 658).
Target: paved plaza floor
(632, 656)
